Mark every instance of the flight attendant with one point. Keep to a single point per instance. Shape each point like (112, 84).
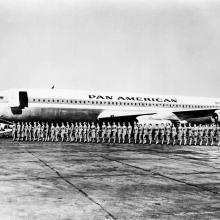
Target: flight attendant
(124, 132)
(84, 132)
(195, 134)
(93, 128)
(135, 132)
(30, 128)
(129, 132)
(119, 131)
(103, 132)
(18, 131)
(173, 134)
(71, 137)
(156, 134)
(190, 133)
(140, 133)
(114, 132)
(52, 132)
(162, 133)
(168, 132)
(109, 131)
(150, 133)
(76, 132)
(57, 131)
(145, 133)
(180, 134)
(97, 133)
(88, 133)
(14, 128)
(184, 134)
(80, 131)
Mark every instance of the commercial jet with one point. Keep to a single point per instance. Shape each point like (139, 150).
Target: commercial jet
(55, 105)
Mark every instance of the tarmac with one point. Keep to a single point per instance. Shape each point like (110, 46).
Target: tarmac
(74, 181)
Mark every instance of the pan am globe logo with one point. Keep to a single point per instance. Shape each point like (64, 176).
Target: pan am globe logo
(132, 98)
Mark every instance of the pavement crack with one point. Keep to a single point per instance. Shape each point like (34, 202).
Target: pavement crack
(161, 175)
(73, 185)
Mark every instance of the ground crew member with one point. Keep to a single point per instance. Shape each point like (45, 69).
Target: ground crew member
(195, 134)
(162, 133)
(184, 134)
(14, 128)
(72, 132)
(167, 132)
(30, 131)
(88, 133)
(145, 132)
(124, 132)
(84, 131)
(80, 131)
(109, 131)
(129, 132)
(119, 131)
(114, 132)
(97, 133)
(57, 131)
(135, 132)
(93, 128)
(52, 132)
(179, 134)
(103, 132)
(150, 133)
(140, 133)
(190, 133)
(156, 134)
(76, 132)
(173, 134)
(18, 131)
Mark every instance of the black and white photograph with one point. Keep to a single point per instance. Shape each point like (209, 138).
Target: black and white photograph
(109, 109)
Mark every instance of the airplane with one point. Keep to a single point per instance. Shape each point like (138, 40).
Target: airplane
(58, 105)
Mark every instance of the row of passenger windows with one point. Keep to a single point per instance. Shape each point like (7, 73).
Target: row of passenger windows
(67, 101)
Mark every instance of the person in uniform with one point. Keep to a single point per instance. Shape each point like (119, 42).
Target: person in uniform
(109, 131)
(18, 131)
(80, 131)
(129, 132)
(84, 132)
(62, 132)
(173, 134)
(156, 134)
(97, 133)
(119, 131)
(218, 134)
(22, 131)
(162, 133)
(168, 132)
(195, 134)
(43, 131)
(140, 133)
(103, 132)
(25, 131)
(57, 131)
(67, 132)
(52, 132)
(14, 128)
(150, 133)
(200, 134)
(135, 132)
(206, 134)
(38, 131)
(145, 133)
(46, 132)
(190, 133)
(93, 128)
(114, 132)
(184, 134)
(76, 132)
(35, 131)
(30, 131)
(124, 132)
(71, 137)
(88, 133)
(211, 134)
(180, 134)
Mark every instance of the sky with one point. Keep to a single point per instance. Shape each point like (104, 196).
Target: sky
(147, 46)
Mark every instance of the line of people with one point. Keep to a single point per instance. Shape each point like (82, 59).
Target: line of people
(138, 133)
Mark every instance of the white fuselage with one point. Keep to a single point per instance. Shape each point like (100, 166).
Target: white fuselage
(71, 105)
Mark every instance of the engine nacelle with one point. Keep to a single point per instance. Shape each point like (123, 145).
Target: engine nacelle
(216, 116)
(148, 120)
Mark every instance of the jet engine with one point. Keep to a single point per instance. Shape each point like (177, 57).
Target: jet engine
(216, 116)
